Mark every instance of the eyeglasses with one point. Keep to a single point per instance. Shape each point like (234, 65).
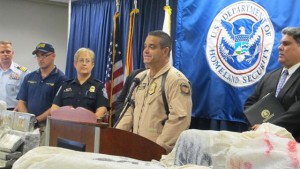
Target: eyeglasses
(6, 51)
(82, 61)
(43, 55)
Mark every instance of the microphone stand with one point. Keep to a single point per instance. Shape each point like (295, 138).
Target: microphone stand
(126, 106)
(128, 101)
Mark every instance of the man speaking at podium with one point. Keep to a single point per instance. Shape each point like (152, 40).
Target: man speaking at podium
(150, 116)
(83, 91)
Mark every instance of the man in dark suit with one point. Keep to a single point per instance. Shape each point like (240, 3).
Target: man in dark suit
(289, 94)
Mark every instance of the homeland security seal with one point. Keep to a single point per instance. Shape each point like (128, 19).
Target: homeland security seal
(239, 43)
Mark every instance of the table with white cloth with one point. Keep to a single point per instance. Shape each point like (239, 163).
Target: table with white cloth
(268, 147)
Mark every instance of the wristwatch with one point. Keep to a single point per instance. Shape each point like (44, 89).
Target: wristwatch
(36, 123)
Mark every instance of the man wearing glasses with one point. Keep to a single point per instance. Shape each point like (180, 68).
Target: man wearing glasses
(11, 75)
(39, 87)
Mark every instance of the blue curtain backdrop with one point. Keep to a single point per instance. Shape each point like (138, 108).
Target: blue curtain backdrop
(92, 25)
(221, 79)
(150, 18)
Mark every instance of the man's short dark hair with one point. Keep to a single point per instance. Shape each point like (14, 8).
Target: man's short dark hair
(165, 39)
(292, 31)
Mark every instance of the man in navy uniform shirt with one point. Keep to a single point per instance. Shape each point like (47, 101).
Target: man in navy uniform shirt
(39, 87)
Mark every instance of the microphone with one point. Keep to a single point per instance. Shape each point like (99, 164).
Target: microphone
(135, 82)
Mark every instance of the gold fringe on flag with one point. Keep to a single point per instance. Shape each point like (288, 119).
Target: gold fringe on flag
(129, 59)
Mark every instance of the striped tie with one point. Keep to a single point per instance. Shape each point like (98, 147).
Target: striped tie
(284, 74)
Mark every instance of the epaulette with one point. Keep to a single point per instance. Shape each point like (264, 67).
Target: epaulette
(97, 80)
(68, 81)
(22, 68)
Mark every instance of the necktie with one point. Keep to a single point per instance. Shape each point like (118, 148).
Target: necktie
(284, 74)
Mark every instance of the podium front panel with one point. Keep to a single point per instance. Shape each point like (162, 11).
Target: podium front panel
(84, 134)
(123, 143)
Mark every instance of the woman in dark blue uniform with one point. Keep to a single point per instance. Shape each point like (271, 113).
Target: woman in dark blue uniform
(83, 91)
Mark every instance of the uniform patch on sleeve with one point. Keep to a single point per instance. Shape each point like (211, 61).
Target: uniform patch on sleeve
(185, 88)
(104, 93)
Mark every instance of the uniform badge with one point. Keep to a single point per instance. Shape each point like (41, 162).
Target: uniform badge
(185, 89)
(92, 89)
(152, 88)
(14, 76)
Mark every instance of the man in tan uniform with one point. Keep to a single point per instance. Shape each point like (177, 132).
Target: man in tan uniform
(149, 118)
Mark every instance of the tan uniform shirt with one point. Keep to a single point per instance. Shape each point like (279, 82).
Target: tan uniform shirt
(147, 118)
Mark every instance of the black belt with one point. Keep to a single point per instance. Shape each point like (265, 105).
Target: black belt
(10, 108)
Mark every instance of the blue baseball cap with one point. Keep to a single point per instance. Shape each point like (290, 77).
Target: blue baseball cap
(43, 47)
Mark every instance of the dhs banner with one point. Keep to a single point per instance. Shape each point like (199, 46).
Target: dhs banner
(226, 47)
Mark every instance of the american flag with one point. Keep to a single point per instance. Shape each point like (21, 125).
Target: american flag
(114, 71)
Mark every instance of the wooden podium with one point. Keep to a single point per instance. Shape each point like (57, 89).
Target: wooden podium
(80, 125)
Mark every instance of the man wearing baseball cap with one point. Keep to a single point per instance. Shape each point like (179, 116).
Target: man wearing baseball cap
(39, 87)
(44, 48)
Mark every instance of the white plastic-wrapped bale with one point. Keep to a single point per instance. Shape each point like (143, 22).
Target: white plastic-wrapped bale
(10, 142)
(9, 156)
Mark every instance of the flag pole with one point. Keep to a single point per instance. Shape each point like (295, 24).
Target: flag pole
(129, 59)
(118, 5)
(167, 25)
(113, 62)
(135, 4)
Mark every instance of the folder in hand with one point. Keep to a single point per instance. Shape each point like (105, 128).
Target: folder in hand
(266, 109)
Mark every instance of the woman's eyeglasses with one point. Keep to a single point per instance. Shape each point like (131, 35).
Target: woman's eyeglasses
(82, 61)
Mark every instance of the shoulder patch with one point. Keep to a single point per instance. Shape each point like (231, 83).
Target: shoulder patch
(104, 93)
(185, 88)
(22, 68)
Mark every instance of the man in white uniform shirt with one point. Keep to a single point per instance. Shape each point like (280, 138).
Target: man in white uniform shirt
(11, 75)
